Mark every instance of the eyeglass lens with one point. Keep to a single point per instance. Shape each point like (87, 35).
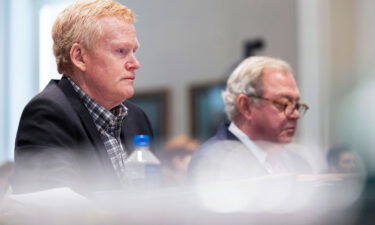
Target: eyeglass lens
(297, 106)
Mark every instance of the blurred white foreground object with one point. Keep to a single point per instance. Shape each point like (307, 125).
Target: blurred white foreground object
(57, 197)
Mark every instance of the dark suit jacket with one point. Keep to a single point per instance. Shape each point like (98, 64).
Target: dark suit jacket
(57, 143)
(224, 157)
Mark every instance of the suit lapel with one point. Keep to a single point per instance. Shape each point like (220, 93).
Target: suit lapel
(127, 133)
(225, 134)
(123, 137)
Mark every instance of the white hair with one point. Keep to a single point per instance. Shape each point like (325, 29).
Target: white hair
(246, 79)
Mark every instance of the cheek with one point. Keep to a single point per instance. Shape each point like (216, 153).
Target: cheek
(276, 122)
(279, 126)
(269, 122)
(97, 68)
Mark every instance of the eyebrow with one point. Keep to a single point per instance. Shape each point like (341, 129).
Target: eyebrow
(287, 97)
(125, 43)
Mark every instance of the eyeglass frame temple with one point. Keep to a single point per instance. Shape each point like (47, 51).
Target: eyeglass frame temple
(272, 100)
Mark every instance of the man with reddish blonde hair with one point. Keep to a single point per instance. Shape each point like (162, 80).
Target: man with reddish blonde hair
(78, 131)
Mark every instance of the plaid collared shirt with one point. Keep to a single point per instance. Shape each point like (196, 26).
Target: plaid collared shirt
(108, 123)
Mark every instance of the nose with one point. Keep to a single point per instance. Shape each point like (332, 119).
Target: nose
(295, 114)
(133, 63)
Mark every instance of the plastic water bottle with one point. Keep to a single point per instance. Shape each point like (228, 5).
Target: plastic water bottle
(142, 168)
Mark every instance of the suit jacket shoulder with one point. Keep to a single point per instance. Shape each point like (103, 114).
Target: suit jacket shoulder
(223, 157)
(57, 143)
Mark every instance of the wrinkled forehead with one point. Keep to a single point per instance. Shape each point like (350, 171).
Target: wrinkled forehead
(115, 25)
(279, 83)
(115, 29)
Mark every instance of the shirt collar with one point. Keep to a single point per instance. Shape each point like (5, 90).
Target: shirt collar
(103, 118)
(259, 154)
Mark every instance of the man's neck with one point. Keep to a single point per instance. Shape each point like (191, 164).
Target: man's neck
(77, 79)
(267, 146)
(270, 147)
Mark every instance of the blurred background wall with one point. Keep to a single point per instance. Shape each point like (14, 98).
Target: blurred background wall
(329, 43)
(3, 19)
(186, 43)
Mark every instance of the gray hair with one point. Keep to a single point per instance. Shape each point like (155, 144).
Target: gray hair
(246, 79)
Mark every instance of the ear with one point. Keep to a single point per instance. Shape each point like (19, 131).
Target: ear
(244, 105)
(77, 53)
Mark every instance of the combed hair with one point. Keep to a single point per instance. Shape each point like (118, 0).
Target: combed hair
(79, 23)
(246, 79)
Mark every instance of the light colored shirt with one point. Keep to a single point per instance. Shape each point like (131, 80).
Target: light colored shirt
(259, 153)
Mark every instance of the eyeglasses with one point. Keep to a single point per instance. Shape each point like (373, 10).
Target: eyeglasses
(286, 107)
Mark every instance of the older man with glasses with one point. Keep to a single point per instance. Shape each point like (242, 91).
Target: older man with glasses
(263, 104)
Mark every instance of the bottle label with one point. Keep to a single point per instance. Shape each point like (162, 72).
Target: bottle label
(134, 175)
(139, 175)
(153, 175)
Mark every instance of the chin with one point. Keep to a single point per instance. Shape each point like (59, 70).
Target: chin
(128, 93)
(285, 140)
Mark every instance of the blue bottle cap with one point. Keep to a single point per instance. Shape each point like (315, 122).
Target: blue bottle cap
(141, 140)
